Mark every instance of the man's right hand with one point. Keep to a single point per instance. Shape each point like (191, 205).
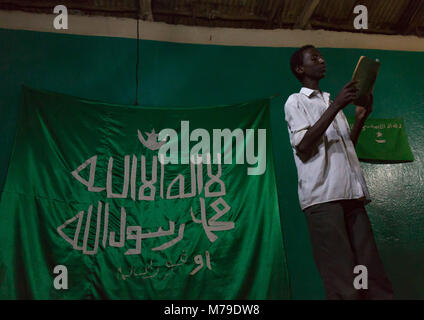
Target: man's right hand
(346, 95)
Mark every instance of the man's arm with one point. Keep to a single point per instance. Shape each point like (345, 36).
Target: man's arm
(312, 136)
(362, 113)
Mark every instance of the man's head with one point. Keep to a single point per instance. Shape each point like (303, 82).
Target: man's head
(308, 62)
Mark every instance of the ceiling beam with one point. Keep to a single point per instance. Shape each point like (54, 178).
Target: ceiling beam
(277, 8)
(145, 7)
(216, 16)
(403, 24)
(306, 14)
(48, 5)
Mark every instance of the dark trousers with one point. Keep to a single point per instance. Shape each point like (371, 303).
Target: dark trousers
(342, 238)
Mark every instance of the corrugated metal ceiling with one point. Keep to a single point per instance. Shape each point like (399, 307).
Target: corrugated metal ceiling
(385, 16)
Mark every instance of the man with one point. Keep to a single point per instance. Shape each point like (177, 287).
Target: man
(331, 187)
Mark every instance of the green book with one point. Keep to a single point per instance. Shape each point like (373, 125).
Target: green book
(365, 73)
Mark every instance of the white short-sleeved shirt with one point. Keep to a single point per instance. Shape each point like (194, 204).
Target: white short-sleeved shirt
(333, 171)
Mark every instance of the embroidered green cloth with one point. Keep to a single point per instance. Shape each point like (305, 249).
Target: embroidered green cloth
(383, 140)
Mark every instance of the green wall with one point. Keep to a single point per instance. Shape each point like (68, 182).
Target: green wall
(182, 74)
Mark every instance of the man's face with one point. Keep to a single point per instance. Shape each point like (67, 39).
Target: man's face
(313, 64)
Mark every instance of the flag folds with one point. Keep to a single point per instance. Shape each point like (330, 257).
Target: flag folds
(106, 201)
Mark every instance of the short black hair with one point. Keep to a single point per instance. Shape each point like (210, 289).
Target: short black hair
(297, 60)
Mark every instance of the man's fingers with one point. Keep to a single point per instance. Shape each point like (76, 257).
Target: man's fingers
(352, 96)
(351, 83)
(352, 92)
(354, 87)
(351, 89)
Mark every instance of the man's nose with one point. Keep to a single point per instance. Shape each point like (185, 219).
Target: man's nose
(321, 60)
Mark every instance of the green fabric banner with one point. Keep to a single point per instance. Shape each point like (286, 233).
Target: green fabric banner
(383, 140)
(107, 201)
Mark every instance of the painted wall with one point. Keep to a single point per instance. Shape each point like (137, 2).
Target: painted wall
(176, 74)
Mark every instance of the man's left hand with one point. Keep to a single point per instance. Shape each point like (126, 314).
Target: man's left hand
(362, 112)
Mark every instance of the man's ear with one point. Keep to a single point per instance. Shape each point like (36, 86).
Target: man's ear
(299, 70)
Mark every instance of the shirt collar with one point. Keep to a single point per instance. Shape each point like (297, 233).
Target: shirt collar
(310, 92)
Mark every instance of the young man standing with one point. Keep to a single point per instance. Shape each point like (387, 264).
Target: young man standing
(331, 187)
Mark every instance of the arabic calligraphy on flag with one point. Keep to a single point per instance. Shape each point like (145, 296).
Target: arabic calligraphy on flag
(383, 140)
(141, 203)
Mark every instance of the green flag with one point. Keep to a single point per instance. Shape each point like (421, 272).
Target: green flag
(383, 140)
(121, 202)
